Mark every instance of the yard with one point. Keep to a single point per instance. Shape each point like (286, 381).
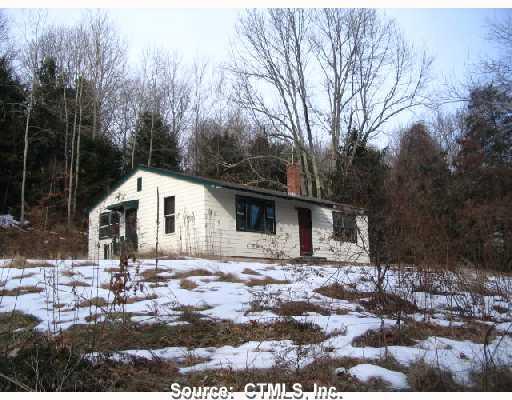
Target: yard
(230, 322)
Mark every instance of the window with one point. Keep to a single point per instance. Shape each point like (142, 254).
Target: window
(255, 215)
(109, 224)
(169, 216)
(139, 184)
(344, 227)
(115, 218)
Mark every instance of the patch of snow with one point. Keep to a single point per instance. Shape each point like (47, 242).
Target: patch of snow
(364, 372)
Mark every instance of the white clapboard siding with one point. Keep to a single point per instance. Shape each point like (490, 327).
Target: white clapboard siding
(223, 239)
(189, 205)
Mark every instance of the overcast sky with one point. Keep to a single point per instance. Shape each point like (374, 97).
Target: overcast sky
(455, 38)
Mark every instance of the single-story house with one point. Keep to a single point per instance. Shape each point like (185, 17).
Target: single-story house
(183, 214)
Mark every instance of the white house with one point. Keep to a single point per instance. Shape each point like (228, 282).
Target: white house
(192, 215)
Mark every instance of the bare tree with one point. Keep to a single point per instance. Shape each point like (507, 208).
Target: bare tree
(500, 68)
(163, 92)
(270, 68)
(30, 58)
(106, 63)
(370, 75)
(5, 47)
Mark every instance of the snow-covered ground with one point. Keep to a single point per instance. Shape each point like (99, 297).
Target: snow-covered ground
(56, 293)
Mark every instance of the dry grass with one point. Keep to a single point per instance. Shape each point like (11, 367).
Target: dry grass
(153, 276)
(412, 331)
(24, 276)
(199, 332)
(194, 272)
(185, 308)
(249, 271)
(340, 292)
(423, 377)
(69, 273)
(95, 301)
(187, 284)
(76, 283)
(135, 299)
(388, 303)
(295, 308)
(267, 280)
(493, 379)
(112, 269)
(383, 338)
(20, 262)
(227, 277)
(20, 291)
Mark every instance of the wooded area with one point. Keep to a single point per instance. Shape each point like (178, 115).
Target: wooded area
(317, 87)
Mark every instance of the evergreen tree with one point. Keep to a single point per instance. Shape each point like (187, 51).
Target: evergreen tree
(12, 98)
(165, 149)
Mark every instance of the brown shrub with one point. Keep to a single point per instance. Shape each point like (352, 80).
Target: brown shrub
(382, 338)
(388, 303)
(340, 292)
(56, 244)
(493, 379)
(423, 377)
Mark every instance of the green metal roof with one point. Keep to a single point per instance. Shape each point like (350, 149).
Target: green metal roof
(124, 205)
(214, 183)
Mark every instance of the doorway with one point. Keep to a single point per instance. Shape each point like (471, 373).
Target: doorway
(131, 230)
(305, 231)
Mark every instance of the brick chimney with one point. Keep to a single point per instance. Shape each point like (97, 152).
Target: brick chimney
(293, 179)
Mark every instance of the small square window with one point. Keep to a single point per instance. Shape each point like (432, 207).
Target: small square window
(139, 184)
(344, 227)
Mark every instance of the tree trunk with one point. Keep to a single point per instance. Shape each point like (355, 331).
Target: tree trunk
(66, 134)
(308, 184)
(151, 138)
(77, 166)
(73, 139)
(318, 183)
(133, 148)
(94, 116)
(25, 155)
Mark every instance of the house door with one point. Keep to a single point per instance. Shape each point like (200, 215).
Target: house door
(305, 234)
(131, 229)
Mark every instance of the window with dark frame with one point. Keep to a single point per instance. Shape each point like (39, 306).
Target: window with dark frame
(139, 184)
(109, 224)
(169, 214)
(255, 215)
(105, 231)
(344, 227)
